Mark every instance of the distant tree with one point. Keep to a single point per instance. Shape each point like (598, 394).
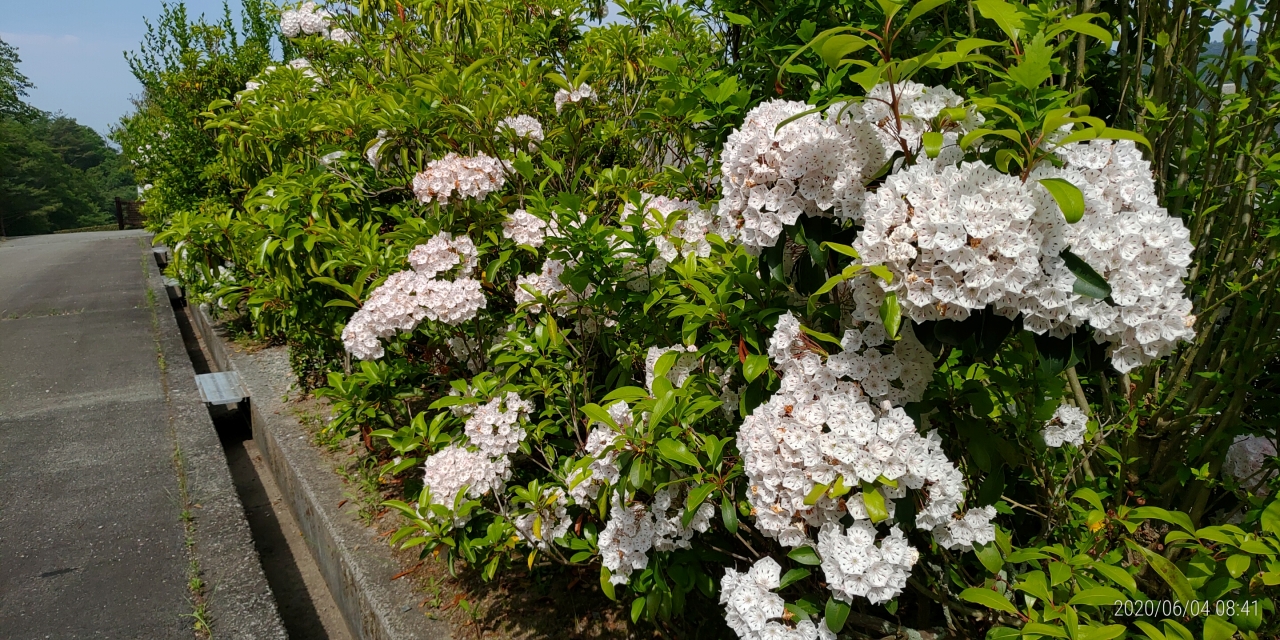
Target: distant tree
(13, 85)
(54, 172)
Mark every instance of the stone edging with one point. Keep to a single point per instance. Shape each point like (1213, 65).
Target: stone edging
(240, 602)
(357, 566)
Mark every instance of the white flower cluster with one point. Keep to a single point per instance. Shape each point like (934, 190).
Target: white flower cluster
(635, 529)
(973, 528)
(919, 111)
(406, 298)
(310, 20)
(679, 371)
(855, 566)
(1245, 459)
(818, 427)
(450, 469)
(876, 365)
(1130, 240)
(754, 611)
(543, 526)
(522, 126)
(455, 176)
(1066, 427)
(955, 238)
(564, 97)
(584, 484)
(495, 426)
(546, 284)
(525, 228)
(812, 165)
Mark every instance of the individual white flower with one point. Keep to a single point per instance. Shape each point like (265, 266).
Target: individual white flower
(1066, 427)
(455, 176)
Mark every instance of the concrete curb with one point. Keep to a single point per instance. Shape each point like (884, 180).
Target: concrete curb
(240, 602)
(358, 567)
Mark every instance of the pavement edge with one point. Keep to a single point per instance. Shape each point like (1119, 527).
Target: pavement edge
(240, 601)
(357, 565)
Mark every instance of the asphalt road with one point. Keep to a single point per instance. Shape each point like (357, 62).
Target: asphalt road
(91, 537)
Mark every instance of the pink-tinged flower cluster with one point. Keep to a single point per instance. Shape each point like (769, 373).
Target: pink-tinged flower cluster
(406, 298)
(460, 177)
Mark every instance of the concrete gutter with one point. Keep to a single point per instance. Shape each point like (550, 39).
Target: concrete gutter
(357, 565)
(240, 602)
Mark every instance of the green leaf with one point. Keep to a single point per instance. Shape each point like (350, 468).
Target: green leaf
(1042, 629)
(1068, 196)
(989, 556)
(1034, 67)
(1149, 629)
(737, 19)
(677, 451)
(836, 47)
(1237, 565)
(921, 8)
(1271, 517)
(605, 585)
(1088, 282)
(840, 248)
(874, 501)
(637, 608)
(1117, 575)
(805, 555)
(1097, 596)
(1090, 496)
(793, 576)
(1167, 570)
(881, 272)
(1006, 16)
(1100, 633)
(815, 494)
(891, 314)
(697, 496)
(836, 614)
(728, 514)
(1172, 517)
(988, 598)
(754, 365)
(628, 394)
(665, 362)
(1217, 628)
(597, 414)
(932, 143)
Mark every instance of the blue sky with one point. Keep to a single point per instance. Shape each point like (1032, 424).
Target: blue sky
(73, 51)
